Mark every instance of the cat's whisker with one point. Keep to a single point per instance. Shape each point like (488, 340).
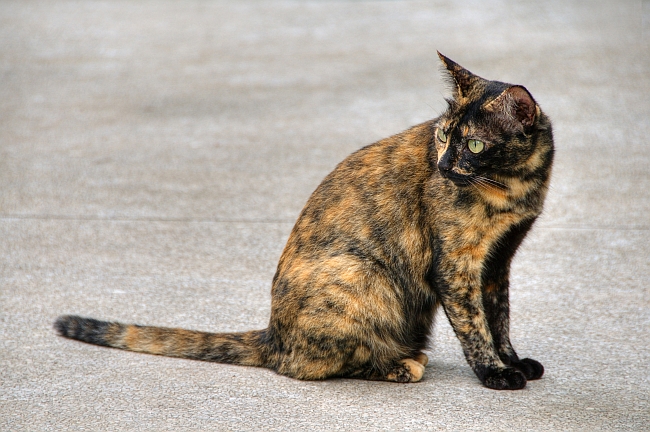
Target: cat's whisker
(484, 184)
(495, 182)
(488, 187)
(476, 181)
(490, 182)
(480, 185)
(476, 184)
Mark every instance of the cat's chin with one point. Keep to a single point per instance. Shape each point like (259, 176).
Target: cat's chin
(458, 179)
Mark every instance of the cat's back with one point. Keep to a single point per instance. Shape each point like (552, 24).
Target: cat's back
(366, 215)
(399, 158)
(375, 185)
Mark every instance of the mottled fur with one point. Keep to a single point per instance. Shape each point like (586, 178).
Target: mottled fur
(399, 228)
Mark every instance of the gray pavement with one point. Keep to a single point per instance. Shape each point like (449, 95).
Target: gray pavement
(154, 155)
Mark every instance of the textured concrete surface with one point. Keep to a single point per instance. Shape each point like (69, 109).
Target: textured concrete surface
(154, 155)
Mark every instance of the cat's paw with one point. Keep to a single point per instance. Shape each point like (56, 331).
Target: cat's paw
(507, 378)
(532, 369)
(407, 370)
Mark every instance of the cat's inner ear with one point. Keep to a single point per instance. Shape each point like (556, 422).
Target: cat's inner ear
(515, 103)
(463, 79)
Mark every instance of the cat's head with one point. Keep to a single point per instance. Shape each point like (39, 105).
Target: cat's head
(492, 132)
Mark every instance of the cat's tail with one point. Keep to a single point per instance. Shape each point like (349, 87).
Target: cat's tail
(247, 348)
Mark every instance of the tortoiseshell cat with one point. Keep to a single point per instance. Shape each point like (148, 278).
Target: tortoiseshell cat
(429, 217)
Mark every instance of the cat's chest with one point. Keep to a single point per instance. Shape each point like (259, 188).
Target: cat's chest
(466, 241)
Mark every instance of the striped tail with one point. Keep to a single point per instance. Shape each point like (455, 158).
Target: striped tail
(247, 348)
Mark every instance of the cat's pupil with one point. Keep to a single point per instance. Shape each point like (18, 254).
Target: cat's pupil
(475, 146)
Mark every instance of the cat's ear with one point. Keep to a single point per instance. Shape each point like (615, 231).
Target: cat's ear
(463, 80)
(517, 104)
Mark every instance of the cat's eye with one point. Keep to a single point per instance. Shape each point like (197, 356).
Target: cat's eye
(442, 136)
(475, 146)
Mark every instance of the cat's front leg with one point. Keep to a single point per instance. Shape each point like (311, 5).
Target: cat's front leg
(464, 308)
(496, 301)
(497, 309)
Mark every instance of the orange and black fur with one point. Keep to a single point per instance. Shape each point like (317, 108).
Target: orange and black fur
(429, 217)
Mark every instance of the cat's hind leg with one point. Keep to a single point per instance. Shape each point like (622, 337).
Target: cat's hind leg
(421, 358)
(408, 370)
(352, 362)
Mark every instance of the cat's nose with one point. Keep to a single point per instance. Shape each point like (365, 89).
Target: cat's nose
(445, 164)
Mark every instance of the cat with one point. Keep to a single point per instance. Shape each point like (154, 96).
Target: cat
(429, 217)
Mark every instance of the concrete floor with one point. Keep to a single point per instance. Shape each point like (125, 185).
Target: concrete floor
(154, 155)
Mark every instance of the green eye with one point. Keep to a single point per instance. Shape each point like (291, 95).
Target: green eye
(475, 146)
(442, 136)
